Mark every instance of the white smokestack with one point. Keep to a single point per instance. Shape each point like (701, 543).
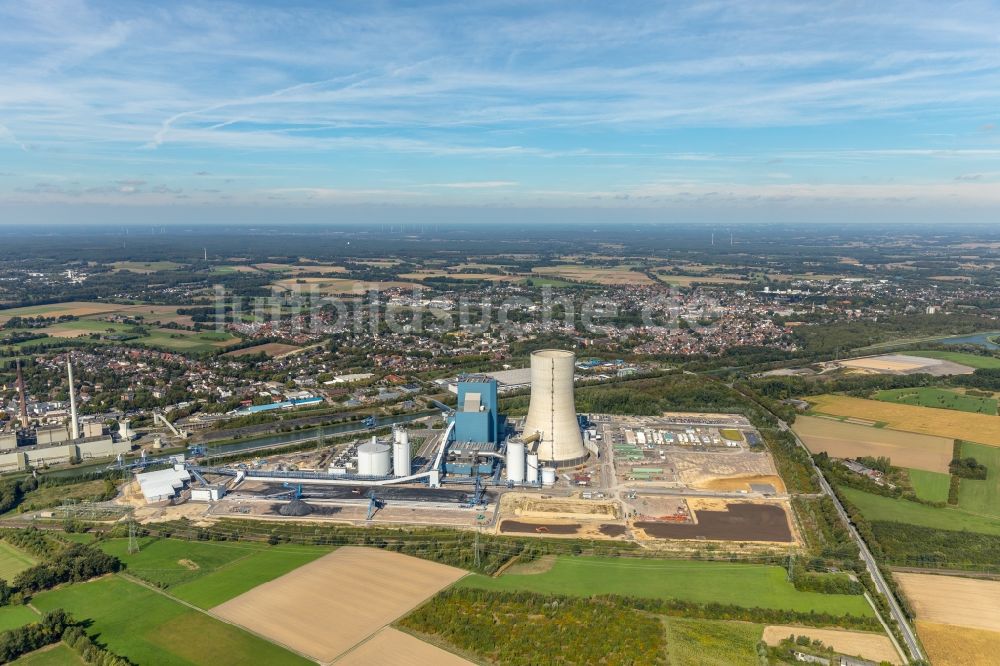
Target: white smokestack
(74, 425)
(552, 410)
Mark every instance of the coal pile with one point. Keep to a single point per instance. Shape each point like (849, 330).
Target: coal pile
(295, 508)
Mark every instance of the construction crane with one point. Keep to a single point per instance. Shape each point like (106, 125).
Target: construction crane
(183, 434)
(374, 504)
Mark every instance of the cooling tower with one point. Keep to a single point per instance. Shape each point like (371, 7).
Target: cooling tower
(552, 411)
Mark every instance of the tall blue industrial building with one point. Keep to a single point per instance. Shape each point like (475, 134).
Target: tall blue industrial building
(477, 416)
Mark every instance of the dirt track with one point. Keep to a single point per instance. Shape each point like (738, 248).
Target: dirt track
(328, 606)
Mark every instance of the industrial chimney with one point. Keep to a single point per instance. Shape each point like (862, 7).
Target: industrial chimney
(74, 424)
(552, 411)
(23, 396)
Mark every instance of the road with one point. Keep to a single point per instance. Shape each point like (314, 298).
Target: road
(866, 555)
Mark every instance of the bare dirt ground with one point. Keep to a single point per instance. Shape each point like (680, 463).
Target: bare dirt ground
(966, 602)
(948, 645)
(327, 607)
(391, 646)
(875, 647)
(850, 440)
(742, 482)
(524, 505)
(694, 468)
(901, 364)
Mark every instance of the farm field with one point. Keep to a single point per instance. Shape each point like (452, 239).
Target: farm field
(948, 645)
(146, 266)
(424, 274)
(271, 349)
(317, 608)
(207, 573)
(702, 582)
(594, 274)
(12, 617)
(930, 486)
(939, 422)
(52, 655)
(874, 647)
(712, 642)
(74, 308)
(144, 625)
(963, 358)
(336, 286)
(13, 561)
(876, 507)
(851, 440)
(965, 602)
(940, 399)
(392, 646)
(688, 280)
(981, 496)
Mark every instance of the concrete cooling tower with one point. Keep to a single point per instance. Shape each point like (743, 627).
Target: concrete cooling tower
(552, 411)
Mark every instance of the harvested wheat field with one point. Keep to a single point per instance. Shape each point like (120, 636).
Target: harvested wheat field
(337, 286)
(850, 440)
(966, 602)
(328, 606)
(947, 645)
(875, 647)
(982, 428)
(595, 274)
(391, 646)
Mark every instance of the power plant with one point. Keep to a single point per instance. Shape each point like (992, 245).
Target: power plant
(552, 410)
(476, 448)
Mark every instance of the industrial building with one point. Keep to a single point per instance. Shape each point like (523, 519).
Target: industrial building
(57, 444)
(477, 417)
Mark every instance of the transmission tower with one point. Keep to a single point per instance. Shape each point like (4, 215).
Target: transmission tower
(133, 540)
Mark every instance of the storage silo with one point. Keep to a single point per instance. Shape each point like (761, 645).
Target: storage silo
(373, 459)
(531, 475)
(552, 410)
(401, 461)
(548, 476)
(515, 461)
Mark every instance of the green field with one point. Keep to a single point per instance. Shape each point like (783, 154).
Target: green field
(12, 617)
(151, 628)
(930, 486)
(712, 642)
(939, 398)
(55, 655)
(186, 342)
(963, 358)
(876, 507)
(13, 561)
(702, 582)
(212, 571)
(982, 497)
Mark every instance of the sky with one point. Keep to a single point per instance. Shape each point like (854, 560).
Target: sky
(714, 111)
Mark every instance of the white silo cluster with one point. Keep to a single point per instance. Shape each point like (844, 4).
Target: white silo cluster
(401, 458)
(552, 410)
(382, 459)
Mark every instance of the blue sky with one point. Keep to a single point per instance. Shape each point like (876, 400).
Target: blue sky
(703, 111)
